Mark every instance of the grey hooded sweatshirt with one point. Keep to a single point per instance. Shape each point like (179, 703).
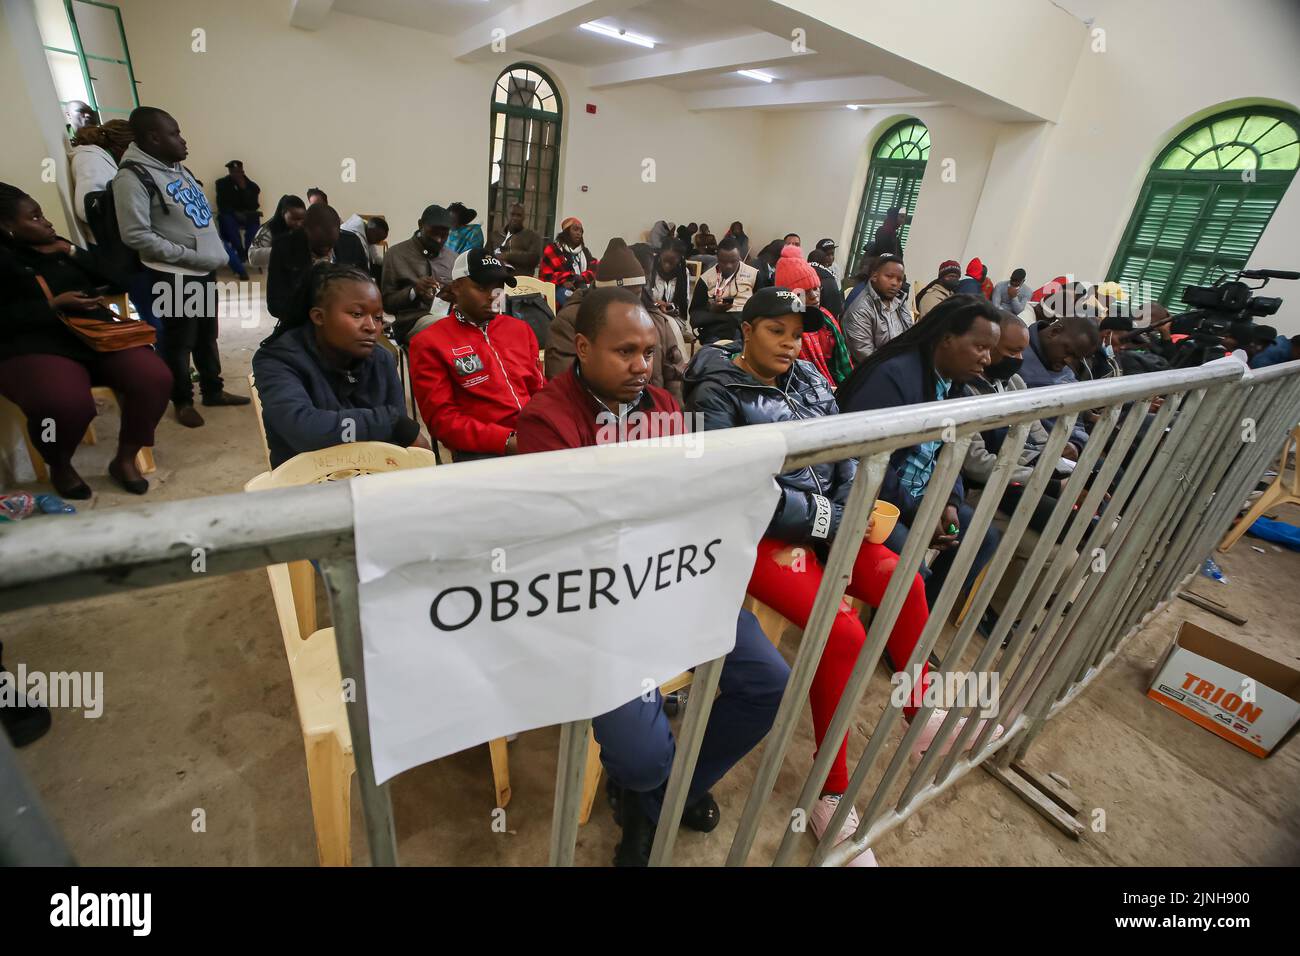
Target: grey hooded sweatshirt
(173, 230)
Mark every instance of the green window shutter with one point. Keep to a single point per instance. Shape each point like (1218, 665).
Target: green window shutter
(523, 159)
(1206, 202)
(893, 179)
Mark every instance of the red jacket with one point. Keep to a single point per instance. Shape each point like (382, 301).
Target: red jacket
(556, 267)
(470, 383)
(564, 415)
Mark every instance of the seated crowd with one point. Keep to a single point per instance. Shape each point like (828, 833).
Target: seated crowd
(684, 322)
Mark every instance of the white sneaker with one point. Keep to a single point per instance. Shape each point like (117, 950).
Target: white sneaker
(822, 812)
(931, 729)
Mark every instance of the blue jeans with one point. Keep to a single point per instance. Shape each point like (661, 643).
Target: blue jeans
(636, 742)
(236, 237)
(937, 573)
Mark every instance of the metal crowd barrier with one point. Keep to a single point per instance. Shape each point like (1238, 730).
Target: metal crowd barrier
(1186, 471)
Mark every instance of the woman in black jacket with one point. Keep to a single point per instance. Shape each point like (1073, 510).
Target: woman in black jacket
(322, 376)
(764, 381)
(46, 370)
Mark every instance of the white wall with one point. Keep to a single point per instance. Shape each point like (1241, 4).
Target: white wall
(1055, 198)
(1166, 63)
(816, 167)
(293, 104)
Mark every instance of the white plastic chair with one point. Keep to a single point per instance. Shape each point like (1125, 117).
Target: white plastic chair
(313, 655)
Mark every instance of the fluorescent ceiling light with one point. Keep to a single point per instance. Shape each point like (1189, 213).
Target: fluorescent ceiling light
(618, 34)
(757, 75)
(854, 106)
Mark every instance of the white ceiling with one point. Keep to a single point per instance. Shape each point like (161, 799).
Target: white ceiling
(699, 46)
(673, 24)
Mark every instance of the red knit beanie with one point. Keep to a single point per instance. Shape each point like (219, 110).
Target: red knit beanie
(793, 271)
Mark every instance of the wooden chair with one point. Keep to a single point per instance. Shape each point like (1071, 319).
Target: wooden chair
(528, 284)
(773, 625)
(696, 269)
(1282, 491)
(313, 655)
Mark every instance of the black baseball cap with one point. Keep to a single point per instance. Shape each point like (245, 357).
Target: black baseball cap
(483, 267)
(435, 215)
(826, 244)
(776, 301)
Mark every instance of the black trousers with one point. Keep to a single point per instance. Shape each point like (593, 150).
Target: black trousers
(187, 307)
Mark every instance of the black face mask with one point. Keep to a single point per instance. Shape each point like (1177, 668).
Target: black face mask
(1003, 369)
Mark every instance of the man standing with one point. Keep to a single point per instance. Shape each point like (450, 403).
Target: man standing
(292, 255)
(1011, 294)
(886, 240)
(415, 271)
(939, 288)
(518, 247)
(474, 370)
(721, 294)
(238, 215)
(607, 385)
(823, 261)
(164, 216)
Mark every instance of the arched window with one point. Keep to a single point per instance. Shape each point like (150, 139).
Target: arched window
(525, 164)
(1206, 201)
(893, 179)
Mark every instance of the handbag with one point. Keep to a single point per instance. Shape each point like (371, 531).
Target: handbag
(103, 331)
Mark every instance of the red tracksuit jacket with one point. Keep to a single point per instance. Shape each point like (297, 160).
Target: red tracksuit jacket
(471, 383)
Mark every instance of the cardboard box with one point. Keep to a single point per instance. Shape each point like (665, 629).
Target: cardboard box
(1244, 697)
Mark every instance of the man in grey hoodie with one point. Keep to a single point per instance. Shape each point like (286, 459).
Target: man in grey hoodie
(164, 216)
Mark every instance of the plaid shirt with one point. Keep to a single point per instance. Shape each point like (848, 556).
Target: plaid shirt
(556, 266)
(916, 470)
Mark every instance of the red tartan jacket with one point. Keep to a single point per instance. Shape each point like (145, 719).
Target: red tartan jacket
(471, 383)
(555, 266)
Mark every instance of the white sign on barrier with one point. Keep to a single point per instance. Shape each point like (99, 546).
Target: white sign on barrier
(496, 599)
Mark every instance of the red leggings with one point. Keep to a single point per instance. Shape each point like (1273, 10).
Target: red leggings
(790, 588)
(57, 389)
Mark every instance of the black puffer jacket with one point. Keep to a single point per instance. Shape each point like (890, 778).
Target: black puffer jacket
(812, 498)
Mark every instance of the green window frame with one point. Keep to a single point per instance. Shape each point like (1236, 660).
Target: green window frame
(85, 60)
(1206, 202)
(893, 179)
(524, 155)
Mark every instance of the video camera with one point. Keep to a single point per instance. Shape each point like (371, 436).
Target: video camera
(1216, 308)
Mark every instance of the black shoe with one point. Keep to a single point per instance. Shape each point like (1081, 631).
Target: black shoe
(24, 721)
(225, 398)
(638, 836)
(675, 703)
(989, 621)
(75, 490)
(703, 815)
(137, 486)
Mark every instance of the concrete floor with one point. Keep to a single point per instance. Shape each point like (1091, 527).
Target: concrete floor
(199, 716)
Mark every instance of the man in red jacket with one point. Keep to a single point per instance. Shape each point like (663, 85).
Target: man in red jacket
(475, 369)
(607, 394)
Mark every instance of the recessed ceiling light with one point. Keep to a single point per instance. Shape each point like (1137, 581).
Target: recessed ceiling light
(757, 75)
(618, 34)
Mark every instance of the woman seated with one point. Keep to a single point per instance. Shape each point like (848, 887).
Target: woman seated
(765, 381)
(290, 212)
(322, 376)
(47, 370)
(567, 261)
(465, 233)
